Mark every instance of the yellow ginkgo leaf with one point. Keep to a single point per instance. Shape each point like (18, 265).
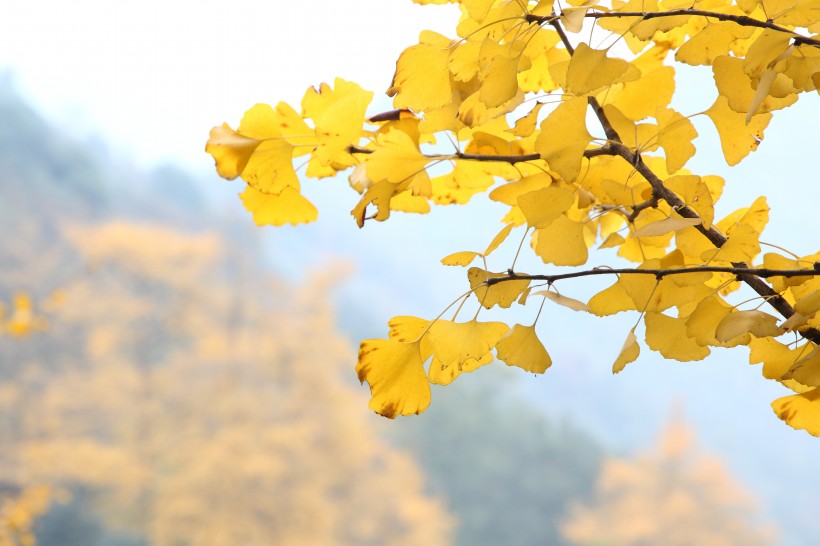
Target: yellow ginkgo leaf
(806, 370)
(395, 373)
(444, 374)
(737, 138)
(641, 98)
(542, 207)
(456, 343)
(675, 135)
(500, 237)
(462, 258)
(230, 150)
(337, 113)
(703, 322)
(590, 70)
(525, 126)
(629, 352)
(500, 81)
(561, 243)
(380, 194)
(777, 358)
(396, 158)
(511, 191)
(800, 411)
(522, 348)
(564, 301)
(668, 336)
(422, 79)
(736, 85)
(667, 225)
(695, 193)
(564, 137)
(713, 41)
(742, 246)
(287, 207)
(808, 305)
(502, 294)
(611, 300)
(767, 48)
(755, 322)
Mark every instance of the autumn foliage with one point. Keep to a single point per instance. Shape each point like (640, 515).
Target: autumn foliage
(563, 113)
(674, 495)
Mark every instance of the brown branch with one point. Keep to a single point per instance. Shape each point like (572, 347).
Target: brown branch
(764, 272)
(512, 159)
(660, 191)
(742, 274)
(743, 20)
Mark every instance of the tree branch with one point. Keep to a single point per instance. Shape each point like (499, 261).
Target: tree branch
(512, 159)
(743, 20)
(742, 274)
(660, 191)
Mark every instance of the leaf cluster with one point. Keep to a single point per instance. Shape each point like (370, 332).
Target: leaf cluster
(574, 133)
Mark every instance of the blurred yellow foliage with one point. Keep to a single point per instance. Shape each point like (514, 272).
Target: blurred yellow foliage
(197, 401)
(674, 495)
(17, 515)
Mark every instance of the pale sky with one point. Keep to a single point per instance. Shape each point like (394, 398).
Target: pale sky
(155, 76)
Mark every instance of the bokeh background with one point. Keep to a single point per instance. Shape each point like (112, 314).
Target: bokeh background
(172, 375)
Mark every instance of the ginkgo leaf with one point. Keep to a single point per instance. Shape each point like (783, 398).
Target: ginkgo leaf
(395, 372)
(573, 17)
(611, 300)
(542, 207)
(462, 258)
(641, 98)
(500, 81)
(742, 246)
(736, 85)
(713, 41)
(337, 114)
(776, 357)
(666, 225)
(555, 297)
(612, 240)
(590, 70)
(629, 352)
(564, 137)
(525, 126)
(444, 374)
(422, 79)
(800, 411)
(454, 343)
(230, 150)
(737, 138)
(695, 193)
(261, 150)
(522, 348)
(561, 243)
(500, 237)
(502, 294)
(378, 194)
(806, 370)
(668, 336)
(287, 207)
(702, 323)
(396, 158)
(510, 192)
(755, 322)
(808, 305)
(675, 135)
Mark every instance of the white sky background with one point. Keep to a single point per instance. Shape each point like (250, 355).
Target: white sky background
(152, 77)
(155, 76)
